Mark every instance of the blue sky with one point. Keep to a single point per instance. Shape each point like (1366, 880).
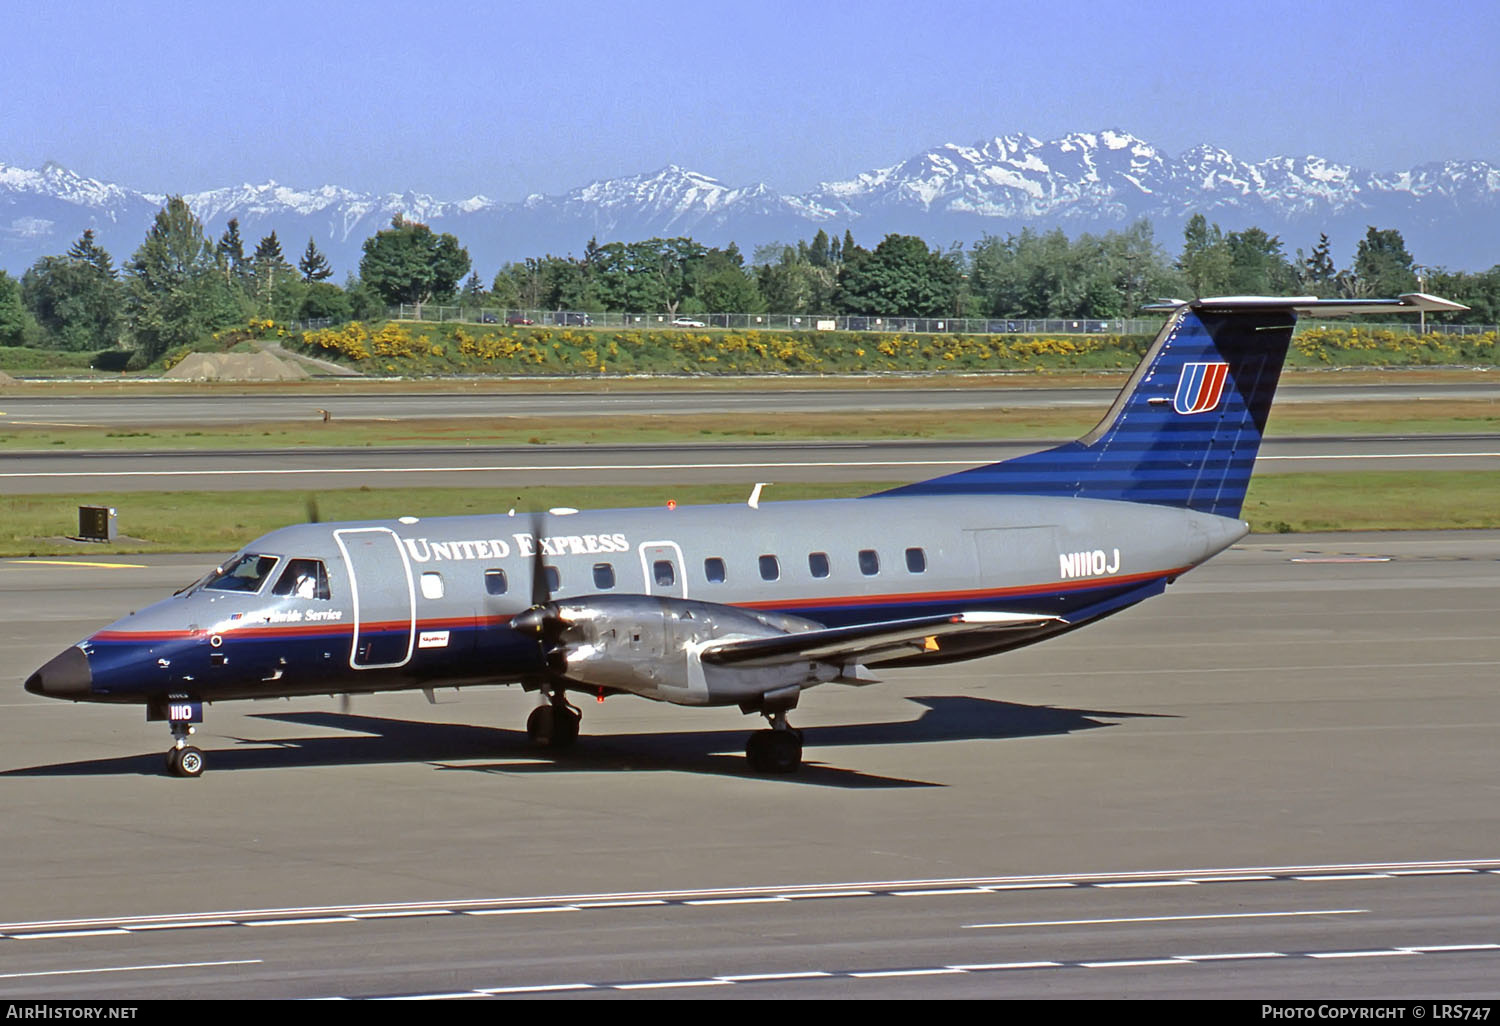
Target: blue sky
(506, 99)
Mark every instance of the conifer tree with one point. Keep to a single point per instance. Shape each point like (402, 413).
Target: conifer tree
(174, 292)
(87, 251)
(314, 265)
(270, 269)
(231, 251)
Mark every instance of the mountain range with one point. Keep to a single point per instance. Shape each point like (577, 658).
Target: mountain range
(1448, 211)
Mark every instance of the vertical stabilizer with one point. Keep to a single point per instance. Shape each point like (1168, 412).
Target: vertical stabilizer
(1185, 430)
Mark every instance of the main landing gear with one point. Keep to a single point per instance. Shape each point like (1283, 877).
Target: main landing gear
(554, 725)
(778, 750)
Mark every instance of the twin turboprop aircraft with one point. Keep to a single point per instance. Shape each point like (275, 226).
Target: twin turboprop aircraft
(745, 605)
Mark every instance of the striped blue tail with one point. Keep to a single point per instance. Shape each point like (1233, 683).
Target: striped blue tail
(1184, 431)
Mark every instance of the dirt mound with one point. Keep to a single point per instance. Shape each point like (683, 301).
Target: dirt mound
(6, 379)
(234, 367)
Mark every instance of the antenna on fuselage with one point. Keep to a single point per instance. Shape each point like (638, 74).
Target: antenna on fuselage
(754, 501)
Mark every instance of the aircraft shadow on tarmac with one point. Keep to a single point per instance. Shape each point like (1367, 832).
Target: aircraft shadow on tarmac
(450, 746)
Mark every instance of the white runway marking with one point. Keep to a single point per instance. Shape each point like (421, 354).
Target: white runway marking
(790, 893)
(1168, 919)
(130, 969)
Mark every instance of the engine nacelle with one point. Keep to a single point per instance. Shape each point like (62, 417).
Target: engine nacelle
(650, 646)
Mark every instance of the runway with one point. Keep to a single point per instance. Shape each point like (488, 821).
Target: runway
(506, 466)
(224, 405)
(1277, 780)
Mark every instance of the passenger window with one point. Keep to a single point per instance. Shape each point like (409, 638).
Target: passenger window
(869, 562)
(495, 582)
(432, 585)
(916, 561)
(554, 577)
(604, 575)
(713, 569)
(817, 562)
(664, 573)
(770, 569)
(303, 578)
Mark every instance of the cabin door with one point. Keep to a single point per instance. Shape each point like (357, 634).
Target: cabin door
(661, 562)
(385, 604)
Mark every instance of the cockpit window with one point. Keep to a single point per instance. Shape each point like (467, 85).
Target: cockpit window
(247, 573)
(303, 578)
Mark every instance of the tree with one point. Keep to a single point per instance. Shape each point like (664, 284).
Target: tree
(1316, 274)
(728, 290)
(87, 251)
(277, 290)
(409, 263)
(314, 265)
(1257, 266)
(1382, 265)
(1206, 261)
(505, 293)
(76, 305)
(365, 303)
(901, 277)
(323, 300)
(818, 250)
(75, 299)
(14, 321)
(174, 292)
(231, 252)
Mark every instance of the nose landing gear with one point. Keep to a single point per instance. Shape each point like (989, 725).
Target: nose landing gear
(180, 712)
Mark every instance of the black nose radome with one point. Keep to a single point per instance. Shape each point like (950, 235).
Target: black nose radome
(65, 676)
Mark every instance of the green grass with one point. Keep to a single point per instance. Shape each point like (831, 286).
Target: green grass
(37, 525)
(1409, 500)
(1443, 417)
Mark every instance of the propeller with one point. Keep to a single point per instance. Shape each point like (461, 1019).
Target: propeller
(542, 619)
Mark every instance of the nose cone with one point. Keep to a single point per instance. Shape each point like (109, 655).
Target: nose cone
(65, 676)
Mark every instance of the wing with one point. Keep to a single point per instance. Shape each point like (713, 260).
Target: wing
(875, 642)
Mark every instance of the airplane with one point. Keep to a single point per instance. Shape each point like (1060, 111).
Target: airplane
(749, 604)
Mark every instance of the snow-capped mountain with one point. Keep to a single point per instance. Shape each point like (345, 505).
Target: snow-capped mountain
(1087, 181)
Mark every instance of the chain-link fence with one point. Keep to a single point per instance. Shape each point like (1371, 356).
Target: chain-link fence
(845, 322)
(776, 322)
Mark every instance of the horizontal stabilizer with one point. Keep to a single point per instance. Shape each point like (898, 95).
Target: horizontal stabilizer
(1312, 306)
(872, 642)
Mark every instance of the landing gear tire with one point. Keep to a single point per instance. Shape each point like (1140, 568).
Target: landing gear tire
(552, 726)
(774, 751)
(185, 762)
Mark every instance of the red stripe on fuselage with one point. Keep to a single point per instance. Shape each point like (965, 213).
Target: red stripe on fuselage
(267, 632)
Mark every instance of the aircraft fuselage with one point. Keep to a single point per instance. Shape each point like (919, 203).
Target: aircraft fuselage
(419, 603)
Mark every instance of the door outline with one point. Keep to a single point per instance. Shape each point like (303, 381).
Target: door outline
(680, 590)
(411, 597)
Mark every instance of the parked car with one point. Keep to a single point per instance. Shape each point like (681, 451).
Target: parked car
(571, 318)
(687, 322)
(518, 319)
(487, 318)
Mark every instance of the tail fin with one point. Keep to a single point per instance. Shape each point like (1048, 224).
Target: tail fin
(1186, 428)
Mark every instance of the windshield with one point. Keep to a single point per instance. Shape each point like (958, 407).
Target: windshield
(245, 573)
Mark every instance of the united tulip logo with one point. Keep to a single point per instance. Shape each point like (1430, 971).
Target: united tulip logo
(1200, 387)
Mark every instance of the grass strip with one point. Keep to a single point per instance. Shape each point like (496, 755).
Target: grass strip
(1429, 417)
(38, 525)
